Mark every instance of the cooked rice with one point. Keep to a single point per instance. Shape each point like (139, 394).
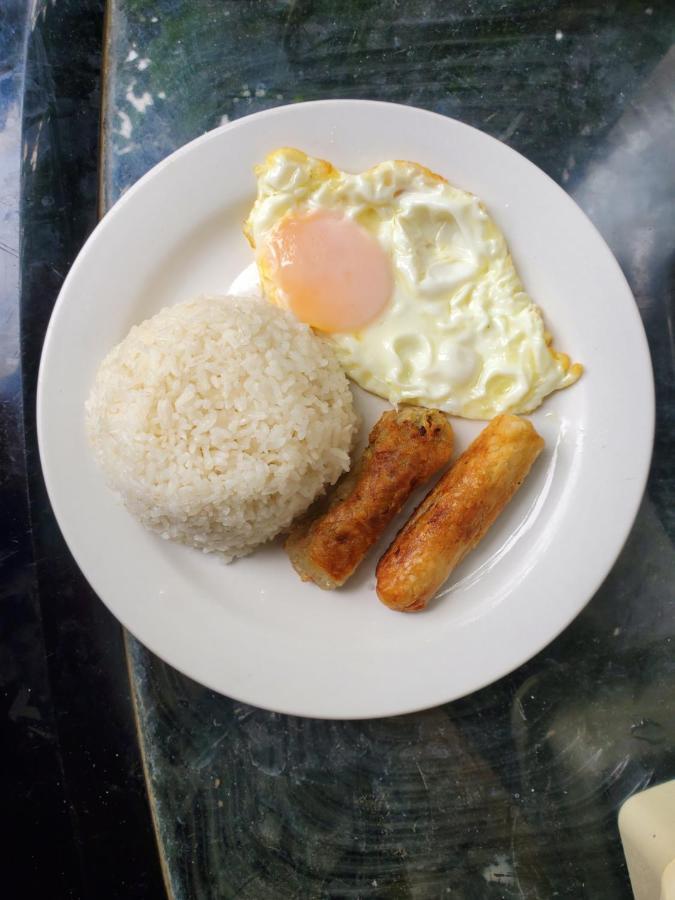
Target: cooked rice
(219, 420)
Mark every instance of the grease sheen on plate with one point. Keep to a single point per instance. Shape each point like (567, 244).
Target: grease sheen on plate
(251, 630)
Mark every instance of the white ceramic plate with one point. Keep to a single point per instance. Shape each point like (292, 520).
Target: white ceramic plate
(252, 630)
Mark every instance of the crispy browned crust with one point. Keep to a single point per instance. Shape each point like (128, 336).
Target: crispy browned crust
(457, 513)
(406, 447)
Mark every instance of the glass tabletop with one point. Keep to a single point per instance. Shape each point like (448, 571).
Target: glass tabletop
(514, 791)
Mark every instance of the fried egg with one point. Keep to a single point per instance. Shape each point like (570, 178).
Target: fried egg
(410, 279)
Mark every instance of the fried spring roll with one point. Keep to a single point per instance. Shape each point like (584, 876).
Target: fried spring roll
(456, 513)
(406, 447)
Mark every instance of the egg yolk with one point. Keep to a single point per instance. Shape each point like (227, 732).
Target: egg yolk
(331, 272)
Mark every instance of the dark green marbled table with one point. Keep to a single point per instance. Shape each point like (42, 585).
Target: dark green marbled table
(512, 792)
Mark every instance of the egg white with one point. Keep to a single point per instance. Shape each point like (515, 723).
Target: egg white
(459, 333)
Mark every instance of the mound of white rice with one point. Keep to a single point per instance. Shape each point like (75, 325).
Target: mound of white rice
(219, 420)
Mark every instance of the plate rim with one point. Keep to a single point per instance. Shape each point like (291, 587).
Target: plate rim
(602, 572)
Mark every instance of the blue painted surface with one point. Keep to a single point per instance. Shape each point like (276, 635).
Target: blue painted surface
(74, 807)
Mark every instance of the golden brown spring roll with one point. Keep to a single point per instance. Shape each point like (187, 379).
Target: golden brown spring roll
(406, 447)
(456, 513)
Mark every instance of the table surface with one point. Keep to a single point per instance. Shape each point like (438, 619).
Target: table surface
(514, 791)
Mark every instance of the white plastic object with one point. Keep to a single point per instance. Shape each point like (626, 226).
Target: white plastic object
(647, 828)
